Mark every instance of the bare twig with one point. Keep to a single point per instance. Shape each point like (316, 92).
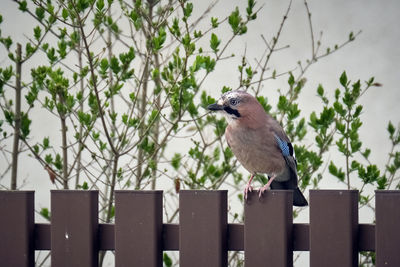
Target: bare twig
(17, 119)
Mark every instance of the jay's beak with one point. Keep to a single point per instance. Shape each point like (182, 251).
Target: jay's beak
(215, 107)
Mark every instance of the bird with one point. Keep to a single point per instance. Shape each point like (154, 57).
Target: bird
(259, 143)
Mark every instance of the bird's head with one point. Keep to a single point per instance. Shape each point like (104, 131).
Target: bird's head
(236, 105)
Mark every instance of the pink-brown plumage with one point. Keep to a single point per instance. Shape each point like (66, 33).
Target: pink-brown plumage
(257, 141)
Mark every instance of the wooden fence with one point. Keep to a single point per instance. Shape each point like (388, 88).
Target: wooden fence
(203, 236)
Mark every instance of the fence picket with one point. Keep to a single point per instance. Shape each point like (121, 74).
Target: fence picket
(138, 216)
(387, 229)
(203, 228)
(268, 229)
(17, 228)
(74, 228)
(333, 228)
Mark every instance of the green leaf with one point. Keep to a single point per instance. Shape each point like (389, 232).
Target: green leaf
(234, 20)
(206, 100)
(51, 55)
(340, 126)
(58, 162)
(187, 10)
(188, 44)
(159, 40)
(382, 182)
(293, 111)
(175, 30)
(85, 186)
(154, 115)
(48, 158)
(220, 126)
(351, 36)
(9, 115)
(84, 118)
(25, 125)
(114, 65)
(355, 165)
(167, 260)
(192, 108)
(23, 6)
(226, 89)
(282, 103)
(100, 4)
(214, 42)
(358, 110)
(320, 90)
(250, 5)
(65, 13)
(291, 80)
(45, 143)
(7, 74)
(366, 153)
(40, 13)
(339, 108)
(35, 148)
(45, 213)
(7, 42)
(343, 79)
(369, 175)
(264, 103)
(336, 172)
(29, 49)
(37, 32)
(125, 118)
(176, 161)
(391, 129)
(112, 212)
(214, 22)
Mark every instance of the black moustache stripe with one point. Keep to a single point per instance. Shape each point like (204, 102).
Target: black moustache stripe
(232, 111)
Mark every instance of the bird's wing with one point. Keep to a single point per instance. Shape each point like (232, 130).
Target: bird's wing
(287, 151)
(286, 148)
(288, 177)
(282, 140)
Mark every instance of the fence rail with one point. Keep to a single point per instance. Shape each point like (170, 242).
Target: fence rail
(203, 236)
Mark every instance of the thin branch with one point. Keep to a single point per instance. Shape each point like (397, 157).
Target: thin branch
(17, 119)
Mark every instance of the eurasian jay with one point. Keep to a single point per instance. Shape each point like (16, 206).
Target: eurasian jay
(259, 143)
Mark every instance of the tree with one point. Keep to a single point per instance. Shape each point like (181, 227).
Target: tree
(126, 83)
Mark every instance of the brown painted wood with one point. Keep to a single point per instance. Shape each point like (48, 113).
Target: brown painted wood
(268, 228)
(170, 236)
(106, 236)
(74, 228)
(333, 228)
(387, 230)
(138, 228)
(203, 228)
(17, 228)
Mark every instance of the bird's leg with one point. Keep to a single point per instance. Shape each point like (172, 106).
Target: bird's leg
(266, 186)
(248, 188)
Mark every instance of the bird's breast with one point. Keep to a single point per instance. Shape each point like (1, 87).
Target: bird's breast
(255, 149)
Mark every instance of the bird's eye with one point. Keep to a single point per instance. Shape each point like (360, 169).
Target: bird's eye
(233, 101)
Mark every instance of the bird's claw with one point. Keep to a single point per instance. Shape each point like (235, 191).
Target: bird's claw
(247, 189)
(262, 190)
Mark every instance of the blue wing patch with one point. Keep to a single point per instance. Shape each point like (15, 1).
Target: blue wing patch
(286, 148)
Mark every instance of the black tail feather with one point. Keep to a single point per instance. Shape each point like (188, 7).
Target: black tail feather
(298, 198)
